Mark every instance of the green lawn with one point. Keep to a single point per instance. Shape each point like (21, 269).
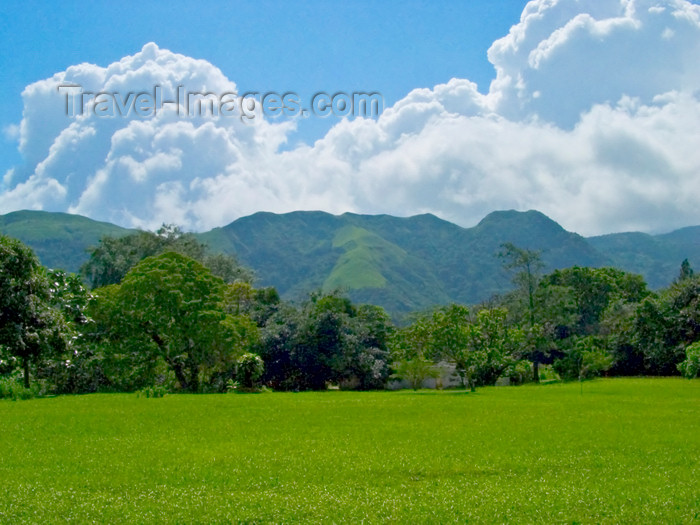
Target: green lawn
(627, 450)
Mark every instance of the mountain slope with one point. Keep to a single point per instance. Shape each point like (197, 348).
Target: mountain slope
(403, 264)
(60, 240)
(656, 257)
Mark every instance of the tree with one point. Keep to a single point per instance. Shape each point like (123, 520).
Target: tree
(686, 272)
(449, 339)
(174, 301)
(325, 340)
(666, 324)
(29, 326)
(493, 346)
(113, 257)
(367, 362)
(528, 266)
(594, 289)
(415, 371)
(587, 358)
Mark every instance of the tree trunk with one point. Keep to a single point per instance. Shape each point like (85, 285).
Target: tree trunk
(26, 372)
(180, 375)
(194, 378)
(536, 371)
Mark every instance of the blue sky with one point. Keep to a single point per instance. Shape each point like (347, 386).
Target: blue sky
(389, 46)
(588, 111)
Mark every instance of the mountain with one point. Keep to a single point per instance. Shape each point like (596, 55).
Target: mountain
(656, 257)
(403, 264)
(60, 240)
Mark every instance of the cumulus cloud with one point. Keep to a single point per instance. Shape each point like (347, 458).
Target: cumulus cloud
(592, 118)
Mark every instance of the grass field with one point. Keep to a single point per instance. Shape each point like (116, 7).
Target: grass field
(626, 450)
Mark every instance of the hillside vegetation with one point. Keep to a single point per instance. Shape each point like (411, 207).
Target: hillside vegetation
(402, 264)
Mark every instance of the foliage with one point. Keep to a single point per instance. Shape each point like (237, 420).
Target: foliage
(327, 340)
(584, 360)
(29, 326)
(481, 347)
(155, 391)
(686, 271)
(666, 324)
(249, 369)
(690, 368)
(527, 266)
(12, 387)
(415, 371)
(593, 290)
(172, 301)
(113, 257)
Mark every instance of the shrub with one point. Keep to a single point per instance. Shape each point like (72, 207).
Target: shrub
(249, 369)
(12, 387)
(691, 366)
(415, 371)
(152, 391)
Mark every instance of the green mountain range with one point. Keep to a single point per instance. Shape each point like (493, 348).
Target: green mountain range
(60, 240)
(403, 264)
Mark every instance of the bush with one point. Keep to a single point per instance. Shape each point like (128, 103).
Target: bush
(415, 371)
(12, 387)
(691, 366)
(152, 391)
(519, 372)
(249, 369)
(585, 360)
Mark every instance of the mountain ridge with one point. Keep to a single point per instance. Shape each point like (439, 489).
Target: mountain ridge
(401, 263)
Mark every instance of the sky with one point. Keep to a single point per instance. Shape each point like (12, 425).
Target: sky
(587, 111)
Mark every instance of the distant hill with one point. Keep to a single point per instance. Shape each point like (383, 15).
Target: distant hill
(656, 257)
(60, 240)
(403, 264)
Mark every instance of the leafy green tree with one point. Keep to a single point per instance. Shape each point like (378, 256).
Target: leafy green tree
(493, 346)
(527, 266)
(128, 359)
(449, 339)
(594, 289)
(686, 271)
(113, 257)
(240, 298)
(598, 302)
(415, 371)
(666, 324)
(303, 348)
(29, 326)
(174, 301)
(586, 359)
(367, 362)
(481, 347)
(325, 340)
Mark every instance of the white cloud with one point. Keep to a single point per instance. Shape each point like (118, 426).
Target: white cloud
(592, 118)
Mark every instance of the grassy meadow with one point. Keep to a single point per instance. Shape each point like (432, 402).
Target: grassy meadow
(623, 450)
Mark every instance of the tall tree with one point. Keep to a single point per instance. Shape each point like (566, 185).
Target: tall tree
(527, 266)
(29, 326)
(686, 271)
(175, 302)
(113, 257)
